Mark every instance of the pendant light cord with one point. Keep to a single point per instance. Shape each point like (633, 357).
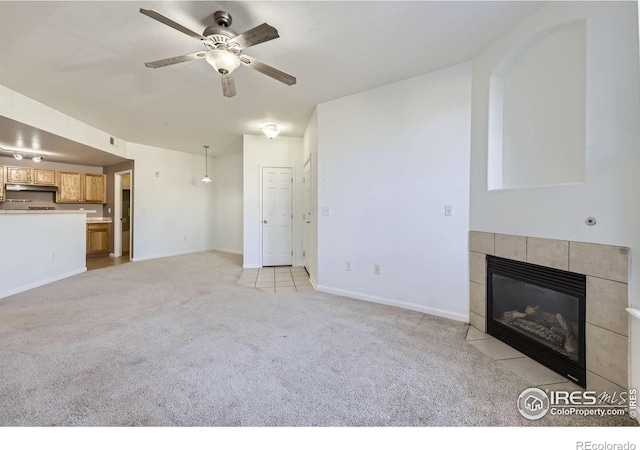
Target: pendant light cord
(206, 160)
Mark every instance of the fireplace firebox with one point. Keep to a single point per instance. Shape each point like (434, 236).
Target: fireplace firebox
(540, 312)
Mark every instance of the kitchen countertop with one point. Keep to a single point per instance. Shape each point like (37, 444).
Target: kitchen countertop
(99, 220)
(44, 211)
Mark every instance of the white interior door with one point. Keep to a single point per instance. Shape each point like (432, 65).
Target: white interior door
(277, 217)
(306, 213)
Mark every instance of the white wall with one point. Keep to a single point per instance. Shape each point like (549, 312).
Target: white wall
(544, 109)
(227, 180)
(310, 150)
(389, 160)
(612, 136)
(37, 249)
(259, 152)
(173, 209)
(612, 187)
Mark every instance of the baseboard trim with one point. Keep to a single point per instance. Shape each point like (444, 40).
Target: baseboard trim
(313, 283)
(167, 255)
(251, 266)
(385, 301)
(225, 250)
(42, 282)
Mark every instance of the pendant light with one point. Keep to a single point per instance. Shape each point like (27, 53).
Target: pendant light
(206, 178)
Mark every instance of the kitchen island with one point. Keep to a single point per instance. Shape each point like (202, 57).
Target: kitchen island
(38, 247)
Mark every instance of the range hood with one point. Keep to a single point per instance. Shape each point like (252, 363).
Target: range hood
(30, 188)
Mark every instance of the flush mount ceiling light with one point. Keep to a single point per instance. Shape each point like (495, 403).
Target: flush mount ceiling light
(206, 178)
(271, 130)
(36, 159)
(18, 156)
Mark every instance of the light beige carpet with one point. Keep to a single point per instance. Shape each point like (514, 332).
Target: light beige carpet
(175, 342)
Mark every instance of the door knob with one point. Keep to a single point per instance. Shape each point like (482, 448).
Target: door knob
(264, 221)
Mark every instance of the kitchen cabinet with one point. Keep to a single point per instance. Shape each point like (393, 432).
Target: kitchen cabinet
(95, 188)
(45, 177)
(19, 175)
(1, 183)
(70, 187)
(98, 238)
(73, 187)
(28, 175)
(76, 187)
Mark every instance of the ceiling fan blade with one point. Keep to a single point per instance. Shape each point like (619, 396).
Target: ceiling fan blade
(267, 70)
(258, 35)
(228, 85)
(175, 60)
(160, 18)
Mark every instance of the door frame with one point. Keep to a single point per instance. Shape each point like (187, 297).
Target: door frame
(304, 220)
(117, 213)
(293, 209)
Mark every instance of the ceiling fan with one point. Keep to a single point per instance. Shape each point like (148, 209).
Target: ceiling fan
(224, 49)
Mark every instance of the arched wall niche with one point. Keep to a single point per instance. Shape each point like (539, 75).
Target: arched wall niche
(537, 111)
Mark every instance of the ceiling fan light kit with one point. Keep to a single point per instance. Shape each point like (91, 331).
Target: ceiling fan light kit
(224, 49)
(271, 130)
(223, 61)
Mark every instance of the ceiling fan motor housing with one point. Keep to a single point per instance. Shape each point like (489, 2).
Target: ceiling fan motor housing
(222, 18)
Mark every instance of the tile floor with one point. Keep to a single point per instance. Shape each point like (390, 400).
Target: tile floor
(509, 359)
(277, 279)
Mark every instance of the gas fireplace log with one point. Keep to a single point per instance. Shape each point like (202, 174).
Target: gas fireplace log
(570, 341)
(510, 316)
(540, 331)
(538, 315)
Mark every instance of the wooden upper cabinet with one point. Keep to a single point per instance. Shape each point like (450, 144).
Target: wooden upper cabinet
(95, 188)
(1, 183)
(70, 187)
(19, 175)
(44, 177)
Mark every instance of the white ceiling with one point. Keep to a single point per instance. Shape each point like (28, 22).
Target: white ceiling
(86, 59)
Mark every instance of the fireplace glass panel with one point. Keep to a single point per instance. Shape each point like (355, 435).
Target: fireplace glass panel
(544, 315)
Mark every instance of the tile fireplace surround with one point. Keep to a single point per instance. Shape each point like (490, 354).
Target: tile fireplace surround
(607, 271)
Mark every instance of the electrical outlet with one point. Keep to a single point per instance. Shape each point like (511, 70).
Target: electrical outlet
(326, 210)
(376, 269)
(448, 210)
(347, 265)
